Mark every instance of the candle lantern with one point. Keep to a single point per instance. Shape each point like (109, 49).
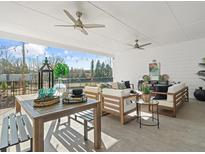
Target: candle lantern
(45, 76)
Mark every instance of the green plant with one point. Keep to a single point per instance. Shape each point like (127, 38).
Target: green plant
(146, 89)
(4, 86)
(146, 78)
(61, 70)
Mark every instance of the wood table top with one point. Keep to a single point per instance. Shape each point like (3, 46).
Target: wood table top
(27, 101)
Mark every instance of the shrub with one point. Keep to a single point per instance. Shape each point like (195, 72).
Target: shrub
(4, 86)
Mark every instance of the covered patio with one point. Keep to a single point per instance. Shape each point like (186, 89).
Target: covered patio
(156, 52)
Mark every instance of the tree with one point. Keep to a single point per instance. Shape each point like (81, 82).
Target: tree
(108, 71)
(92, 69)
(71, 74)
(82, 75)
(23, 68)
(54, 60)
(103, 70)
(98, 69)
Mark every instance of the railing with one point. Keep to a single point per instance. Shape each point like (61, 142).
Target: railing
(9, 89)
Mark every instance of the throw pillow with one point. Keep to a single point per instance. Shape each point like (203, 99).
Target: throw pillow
(105, 85)
(162, 88)
(114, 85)
(127, 84)
(121, 85)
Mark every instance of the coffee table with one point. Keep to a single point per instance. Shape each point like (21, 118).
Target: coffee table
(154, 118)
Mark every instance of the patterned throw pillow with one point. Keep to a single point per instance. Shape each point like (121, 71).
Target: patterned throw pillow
(118, 85)
(115, 85)
(121, 85)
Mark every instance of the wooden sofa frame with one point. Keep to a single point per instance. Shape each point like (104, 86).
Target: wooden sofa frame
(117, 103)
(93, 95)
(179, 98)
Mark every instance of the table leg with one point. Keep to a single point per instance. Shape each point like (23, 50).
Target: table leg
(158, 115)
(18, 106)
(137, 111)
(140, 116)
(38, 135)
(97, 127)
(152, 112)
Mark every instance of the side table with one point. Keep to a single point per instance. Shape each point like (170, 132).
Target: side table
(155, 118)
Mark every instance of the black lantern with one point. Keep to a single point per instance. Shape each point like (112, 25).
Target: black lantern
(45, 76)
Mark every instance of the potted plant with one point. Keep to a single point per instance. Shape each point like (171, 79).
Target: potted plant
(61, 70)
(146, 93)
(200, 93)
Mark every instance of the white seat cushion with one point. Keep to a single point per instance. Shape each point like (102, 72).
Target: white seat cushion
(166, 103)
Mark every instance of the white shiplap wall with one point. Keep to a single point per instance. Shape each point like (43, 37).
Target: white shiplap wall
(180, 61)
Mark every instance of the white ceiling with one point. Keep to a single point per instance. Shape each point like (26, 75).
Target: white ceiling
(161, 23)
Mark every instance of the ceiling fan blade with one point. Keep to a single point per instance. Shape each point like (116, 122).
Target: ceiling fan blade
(131, 45)
(93, 26)
(64, 25)
(84, 31)
(140, 48)
(144, 45)
(70, 16)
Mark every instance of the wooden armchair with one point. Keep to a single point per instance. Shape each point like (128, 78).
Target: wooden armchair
(118, 103)
(177, 95)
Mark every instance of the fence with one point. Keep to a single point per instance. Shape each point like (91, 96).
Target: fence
(9, 89)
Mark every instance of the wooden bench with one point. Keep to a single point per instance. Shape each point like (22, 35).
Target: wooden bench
(16, 128)
(86, 117)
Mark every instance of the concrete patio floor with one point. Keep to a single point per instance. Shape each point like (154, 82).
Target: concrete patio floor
(184, 133)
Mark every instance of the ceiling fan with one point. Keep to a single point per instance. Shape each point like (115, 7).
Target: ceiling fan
(137, 46)
(78, 24)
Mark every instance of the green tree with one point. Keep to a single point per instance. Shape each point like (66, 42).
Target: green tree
(98, 69)
(108, 71)
(103, 70)
(92, 69)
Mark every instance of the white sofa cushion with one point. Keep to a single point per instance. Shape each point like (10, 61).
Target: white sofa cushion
(173, 89)
(116, 92)
(166, 103)
(92, 89)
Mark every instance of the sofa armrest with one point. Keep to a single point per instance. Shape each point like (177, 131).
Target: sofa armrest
(130, 96)
(161, 93)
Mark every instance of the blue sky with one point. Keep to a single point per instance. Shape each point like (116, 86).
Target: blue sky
(74, 59)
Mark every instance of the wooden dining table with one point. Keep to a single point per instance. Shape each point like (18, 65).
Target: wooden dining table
(43, 114)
